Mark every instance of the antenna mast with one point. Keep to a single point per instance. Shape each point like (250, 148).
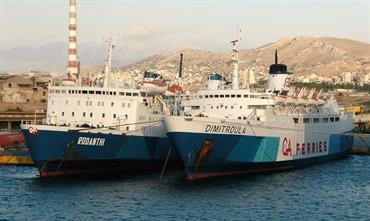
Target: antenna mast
(235, 59)
(108, 66)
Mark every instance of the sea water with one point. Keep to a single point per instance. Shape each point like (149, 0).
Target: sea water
(337, 190)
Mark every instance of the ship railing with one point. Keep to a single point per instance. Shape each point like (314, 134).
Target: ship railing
(33, 122)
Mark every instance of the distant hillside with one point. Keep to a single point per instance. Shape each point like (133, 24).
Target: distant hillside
(303, 55)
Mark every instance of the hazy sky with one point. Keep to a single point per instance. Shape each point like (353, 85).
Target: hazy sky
(145, 27)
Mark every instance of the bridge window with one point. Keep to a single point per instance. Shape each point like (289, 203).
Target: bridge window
(325, 120)
(316, 120)
(227, 95)
(245, 95)
(135, 94)
(238, 95)
(221, 95)
(296, 120)
(306, 120)
(332, 119)
(336, 118)
(97, 92)
(128, 94)
(233, 95)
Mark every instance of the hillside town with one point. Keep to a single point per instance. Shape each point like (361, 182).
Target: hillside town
(330, 63)
(32, 87)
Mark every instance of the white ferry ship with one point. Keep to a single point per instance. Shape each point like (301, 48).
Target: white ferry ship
(98, 129)
(226, 131)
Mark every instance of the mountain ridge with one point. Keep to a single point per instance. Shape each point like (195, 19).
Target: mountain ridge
(304, 55)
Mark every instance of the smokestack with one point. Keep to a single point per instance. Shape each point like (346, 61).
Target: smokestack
(276, 57)
(180, 70)
(72, 49)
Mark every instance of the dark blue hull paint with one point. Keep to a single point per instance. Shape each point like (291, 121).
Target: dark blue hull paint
(211, 155)
(255, 168)
(58, 153)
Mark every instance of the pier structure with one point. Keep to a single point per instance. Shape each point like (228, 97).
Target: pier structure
(11, 120)
(362, 122)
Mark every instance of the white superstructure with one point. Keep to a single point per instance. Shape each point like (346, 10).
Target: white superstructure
(127, 110)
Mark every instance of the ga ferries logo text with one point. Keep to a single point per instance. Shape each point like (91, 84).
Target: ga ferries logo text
(290, 149)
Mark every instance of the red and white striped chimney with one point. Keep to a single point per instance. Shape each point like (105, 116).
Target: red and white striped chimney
(72, 52)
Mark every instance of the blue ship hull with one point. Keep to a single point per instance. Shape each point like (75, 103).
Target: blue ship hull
(211, 155)
(75, 153)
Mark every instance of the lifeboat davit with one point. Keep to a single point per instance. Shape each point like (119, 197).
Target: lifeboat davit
(153, 83)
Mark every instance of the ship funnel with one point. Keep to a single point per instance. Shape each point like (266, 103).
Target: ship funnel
(180, 69)
(278, 80)
(276, 57)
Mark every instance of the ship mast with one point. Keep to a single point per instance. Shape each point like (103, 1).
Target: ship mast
(108, 66)
(234, 61)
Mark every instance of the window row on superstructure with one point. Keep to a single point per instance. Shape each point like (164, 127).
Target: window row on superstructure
(307, 120)
(97, 92)
(103, 115)
(259, 96)
(99, 103)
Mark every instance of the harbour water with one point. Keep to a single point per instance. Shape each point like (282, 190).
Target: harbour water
(338, 190)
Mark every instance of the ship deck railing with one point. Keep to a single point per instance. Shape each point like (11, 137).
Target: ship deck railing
(33, 122)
